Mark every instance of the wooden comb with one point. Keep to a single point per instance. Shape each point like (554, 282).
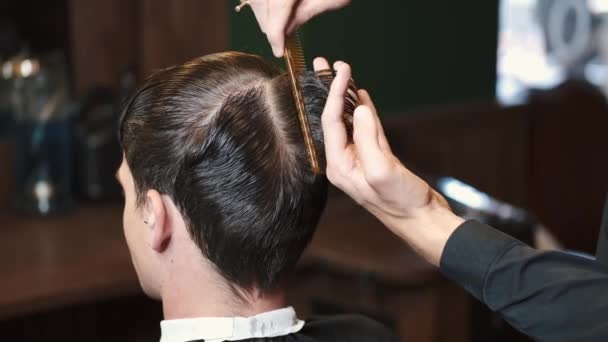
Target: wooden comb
(296, 65)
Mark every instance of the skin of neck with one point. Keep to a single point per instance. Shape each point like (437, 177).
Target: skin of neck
(191, 287)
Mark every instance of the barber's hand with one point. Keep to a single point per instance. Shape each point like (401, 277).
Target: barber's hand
(278, 18)
(368, 171)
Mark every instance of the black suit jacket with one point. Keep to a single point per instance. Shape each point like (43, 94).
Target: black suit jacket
(550, 296)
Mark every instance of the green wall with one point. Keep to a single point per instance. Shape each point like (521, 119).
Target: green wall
(408, 53)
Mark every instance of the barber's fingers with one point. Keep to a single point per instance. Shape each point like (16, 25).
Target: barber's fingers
(372, 158)
(273, 16)
(279, 14)
(261, 10)
(300, 16)
(320, 63)
(278, 18)
(334, 132)
(366, 100)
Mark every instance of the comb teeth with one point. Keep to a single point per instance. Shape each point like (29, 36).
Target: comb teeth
(294, 45)
(294, 59)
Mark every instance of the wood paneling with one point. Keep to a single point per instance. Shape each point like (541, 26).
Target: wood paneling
(174, 32)
(104, 40)
(109, 35)
(485, 146)
(570, 162)
(548, 157)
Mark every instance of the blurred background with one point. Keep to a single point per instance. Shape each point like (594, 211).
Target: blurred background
(501, 105)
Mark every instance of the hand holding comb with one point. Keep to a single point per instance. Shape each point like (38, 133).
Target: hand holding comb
(296, 65)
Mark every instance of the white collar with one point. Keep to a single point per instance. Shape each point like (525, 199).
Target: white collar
(214, 329)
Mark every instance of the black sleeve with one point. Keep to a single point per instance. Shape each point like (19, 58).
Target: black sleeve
(550, 296)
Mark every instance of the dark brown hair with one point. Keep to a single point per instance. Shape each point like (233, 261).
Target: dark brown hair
(220, 136)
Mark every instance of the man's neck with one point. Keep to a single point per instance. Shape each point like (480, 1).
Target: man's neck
(213, 299)
(193, 288)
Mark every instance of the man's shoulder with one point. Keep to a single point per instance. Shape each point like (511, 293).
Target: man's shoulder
(347, 328)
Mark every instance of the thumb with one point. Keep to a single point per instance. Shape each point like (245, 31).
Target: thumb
(369, 153)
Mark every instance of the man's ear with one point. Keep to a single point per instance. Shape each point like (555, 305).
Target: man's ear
(159, 226)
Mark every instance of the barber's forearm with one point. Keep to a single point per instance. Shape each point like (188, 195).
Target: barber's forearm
(428, 231)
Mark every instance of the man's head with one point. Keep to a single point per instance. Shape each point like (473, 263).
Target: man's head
(216, 141)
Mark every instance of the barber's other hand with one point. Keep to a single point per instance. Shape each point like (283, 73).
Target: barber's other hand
(368, 171)
(278, 18)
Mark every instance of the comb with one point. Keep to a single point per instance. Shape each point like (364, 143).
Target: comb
(294, 59)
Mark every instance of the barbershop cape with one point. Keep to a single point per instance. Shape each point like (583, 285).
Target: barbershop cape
(279, 325)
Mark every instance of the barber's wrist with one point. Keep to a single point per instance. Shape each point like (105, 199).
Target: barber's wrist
(428, 229)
